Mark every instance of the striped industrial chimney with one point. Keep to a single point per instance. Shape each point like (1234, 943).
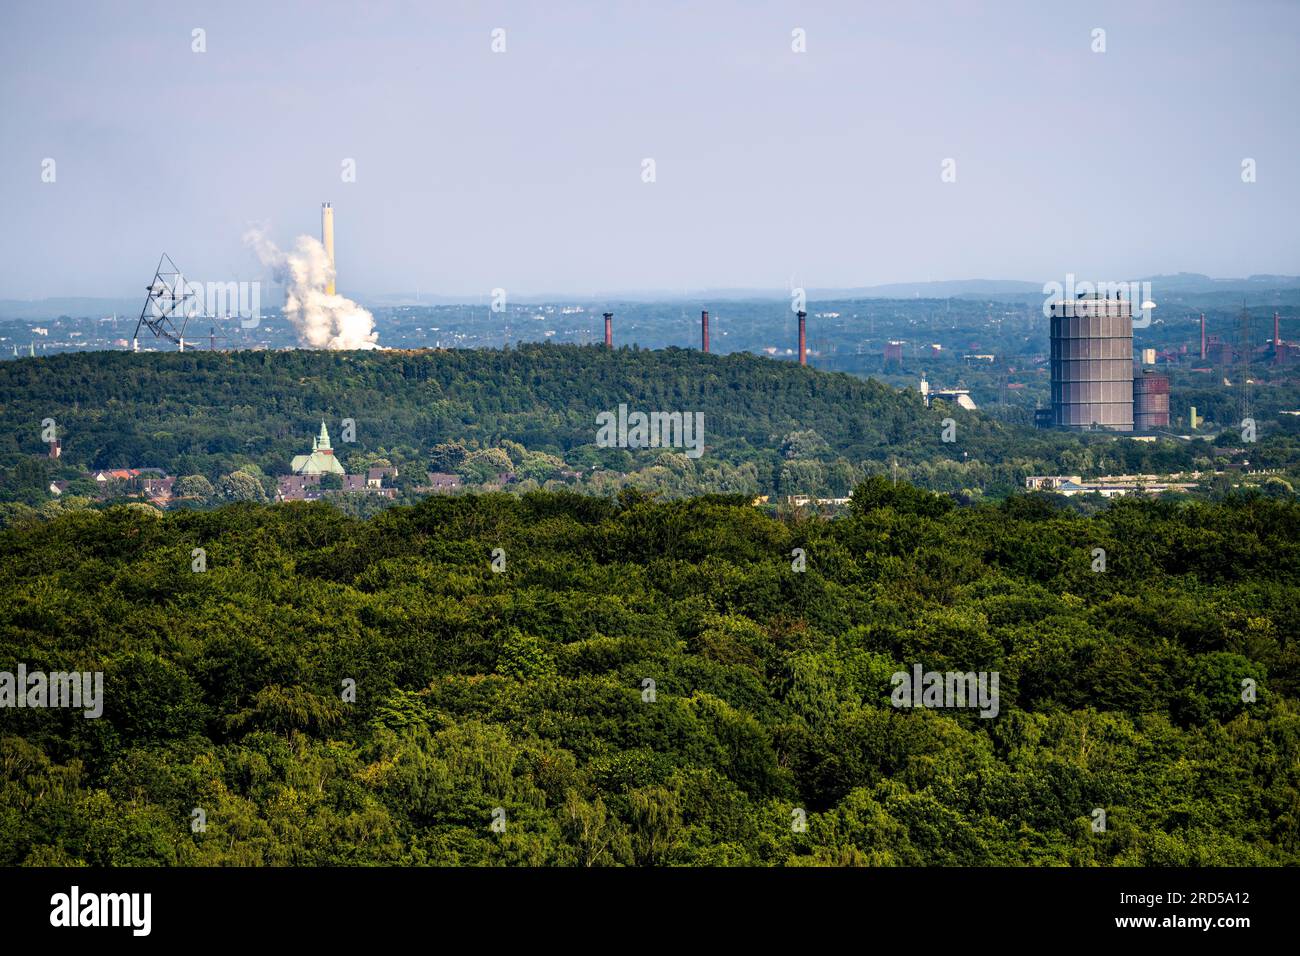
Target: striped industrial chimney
(803, 341)
(1202, 337)
(609, 330)
(327, 239)
(704, 330)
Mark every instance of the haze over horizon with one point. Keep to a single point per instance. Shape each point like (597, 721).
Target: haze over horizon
(524, 169)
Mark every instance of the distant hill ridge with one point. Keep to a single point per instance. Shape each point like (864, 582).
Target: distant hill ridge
(1184, 282)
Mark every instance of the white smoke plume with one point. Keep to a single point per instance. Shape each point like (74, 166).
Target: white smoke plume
(322, 321)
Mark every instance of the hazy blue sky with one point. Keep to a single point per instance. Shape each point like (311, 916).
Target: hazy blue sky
(523, 170)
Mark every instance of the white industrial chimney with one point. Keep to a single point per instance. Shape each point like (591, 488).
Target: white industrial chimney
(327, 239)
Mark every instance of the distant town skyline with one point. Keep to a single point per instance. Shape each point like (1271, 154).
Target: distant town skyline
(827, 146)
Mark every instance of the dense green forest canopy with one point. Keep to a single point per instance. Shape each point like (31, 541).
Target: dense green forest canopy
(520, 695)
(771, 427)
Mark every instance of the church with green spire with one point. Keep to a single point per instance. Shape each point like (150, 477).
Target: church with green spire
(321, 461)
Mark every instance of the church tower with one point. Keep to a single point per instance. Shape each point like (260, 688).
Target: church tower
(321, 461)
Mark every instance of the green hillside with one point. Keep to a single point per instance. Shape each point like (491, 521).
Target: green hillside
(771, 427)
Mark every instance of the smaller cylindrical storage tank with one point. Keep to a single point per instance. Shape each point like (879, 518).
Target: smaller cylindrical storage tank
(1150, 401)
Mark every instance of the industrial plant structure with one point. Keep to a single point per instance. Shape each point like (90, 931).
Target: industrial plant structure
(956, 396)
(1092, 363)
